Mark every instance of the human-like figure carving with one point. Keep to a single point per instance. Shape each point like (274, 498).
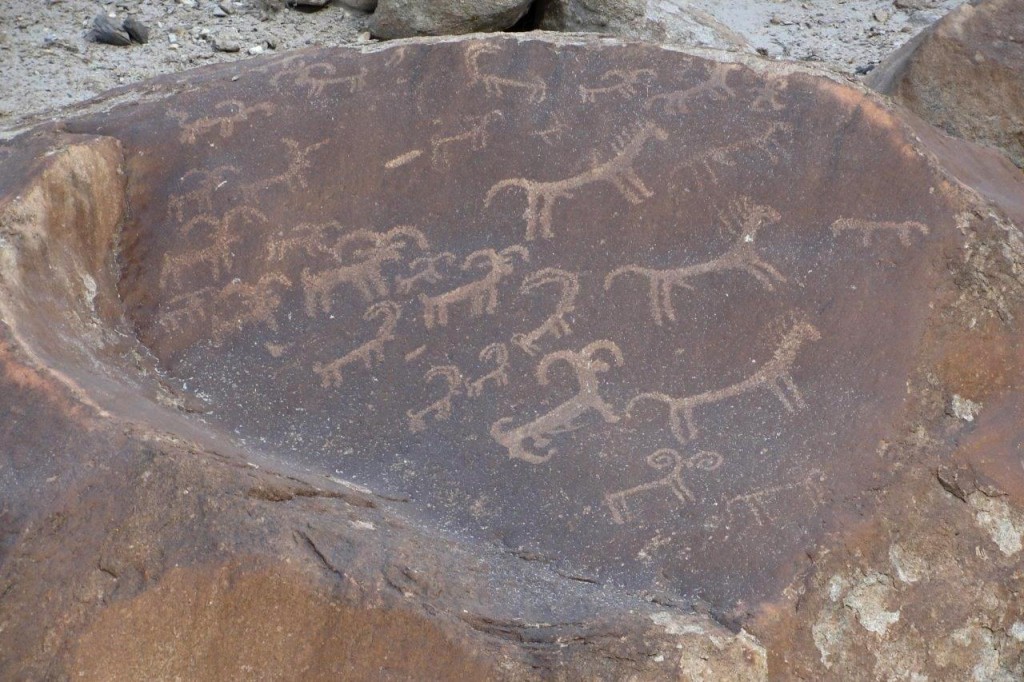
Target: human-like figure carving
(716, 88)
(295, 175)
(481, 294)
(622, 82)
(476, 135)
(442, 407)
(318, 76)
(869, 227)
(248, 304)
(672, 462)
(217, 255)
(561, 419)
(498, 354)
(230, 113)
(742, 255)
(535, 88)
(369, 352)
(426, 271)
(363, 254)
(555, 325)
(618, 171)
(774, 375)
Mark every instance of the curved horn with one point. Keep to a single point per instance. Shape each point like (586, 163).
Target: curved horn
(706, 460)
(604, 344)
(545, 364)
(663, 459)
(412, 233)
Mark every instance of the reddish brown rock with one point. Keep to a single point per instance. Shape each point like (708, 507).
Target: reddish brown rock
(965, 74)
(580, 360)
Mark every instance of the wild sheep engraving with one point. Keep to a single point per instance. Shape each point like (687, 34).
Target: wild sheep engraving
(248, 303)
(425, 271)
(535, 88)
(441, 408)
(481, 294)
(673, 481)
(370, 352)
(496, 353)
(902, 230)
(555, 325)
(235, 112)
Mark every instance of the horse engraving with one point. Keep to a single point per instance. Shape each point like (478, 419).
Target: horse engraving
(498, 354)
(476, 136)
(741, 256)
(670, 461)
(371, 351)
(902, 230)
(617, 82)
(235, 112)
(441, 408)
(555, 325)
(535, 88)
(618, 171)
(774, 375)
(560, 419)
(481, 294)
(249, 304)
(429, 274)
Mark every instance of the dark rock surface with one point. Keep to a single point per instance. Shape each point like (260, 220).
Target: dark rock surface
(965, 74)
(582, 359)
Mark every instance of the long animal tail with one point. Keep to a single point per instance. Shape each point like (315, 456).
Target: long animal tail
(498, 187)
(624, 270)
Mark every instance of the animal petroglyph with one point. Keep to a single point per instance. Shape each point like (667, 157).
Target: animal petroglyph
(624, 83)
(706, 162)
(299, 167)
(756, 502)
(561, 419)
(248, 303)
(535, 88)
(618, 171)
(200, 199)
(496, 353)
(553, 132)
(475, 136)
(230, 113)
(403, 159)
(188, 309)
(426, 271)
(372, 350)
(774, 375)
(902, 230)
(217, 254)
(716, 88)
(672, 462)
(742, 255)
(555, 325)
(768, 97)
(318, 76)
(481, 294)
(441, 409)
(370, 251)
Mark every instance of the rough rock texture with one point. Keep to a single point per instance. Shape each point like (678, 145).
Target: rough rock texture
(407, 18)
(560, 358)
(965, 74)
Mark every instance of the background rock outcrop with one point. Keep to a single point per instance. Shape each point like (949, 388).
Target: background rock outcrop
(407, 18)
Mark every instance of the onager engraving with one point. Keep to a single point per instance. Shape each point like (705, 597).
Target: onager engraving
(429, 274)
(742, 255)
(476, 135)
(618, 171)
(481, 294)
(869, 227)
(663, 460)
(249, 304)
(441, 408)
(617, 82)
(372, 350)
(373, 250)
(535, 88)
(560, 419)
(716, 87)
(235, 112)
(774, 375)
(555, 325)
(498, 354)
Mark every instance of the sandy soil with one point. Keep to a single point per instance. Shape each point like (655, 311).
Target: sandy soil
(47, 63)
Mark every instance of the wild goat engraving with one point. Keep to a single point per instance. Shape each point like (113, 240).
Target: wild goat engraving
(618, 171)
(555, 325)
(617, 82)
(235, 112)
(586, 366)
(902, 230)
(481, 294)
(429, 274)
(371, 351)
(249, 304)
(476, 136)
(670, 461)
(498, 354)
(535, 88)
(441, 408)
(774, 375)
(742, 255)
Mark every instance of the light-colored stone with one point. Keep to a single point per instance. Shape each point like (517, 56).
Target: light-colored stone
(407, 18)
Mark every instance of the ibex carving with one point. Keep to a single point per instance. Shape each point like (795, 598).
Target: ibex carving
(716, 87)
(476, 135)
(663, 460)
(481, 294)
(429, 274)
(441, 408)
(235, 112)
(369, 352)
(249, 304)
(555, 325)
(217, 254)
(617, 82)
(498, 354)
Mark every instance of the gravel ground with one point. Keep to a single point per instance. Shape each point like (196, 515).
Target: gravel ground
(47, 63)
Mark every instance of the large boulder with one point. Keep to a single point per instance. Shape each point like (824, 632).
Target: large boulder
(965, 74)
(561, 358)
(407, 18)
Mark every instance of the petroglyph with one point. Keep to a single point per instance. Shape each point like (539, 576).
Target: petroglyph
(742, 256)
(716, 88)
(217, 254)
(496, 353)
(371, 251)
(248, 303)
(535, 88)
(707, 161)
(902, 230)
(757, 502)
(586, 366)
(553, 132)
(768, 97)
(403, 159)
(618, 82)
(774, 375)
(475, 136)
(186, 310)
(200, 199)
(318, 76)
(441, 409)
(372, 350)
(663, 460)
(415, 353)
(396, 57)
(426, 271)
(618, 171)
(555, 325)
(299, 169)
(481, 294)
(230, 113)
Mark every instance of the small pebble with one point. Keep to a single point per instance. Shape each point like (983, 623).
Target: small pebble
(255, 49)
